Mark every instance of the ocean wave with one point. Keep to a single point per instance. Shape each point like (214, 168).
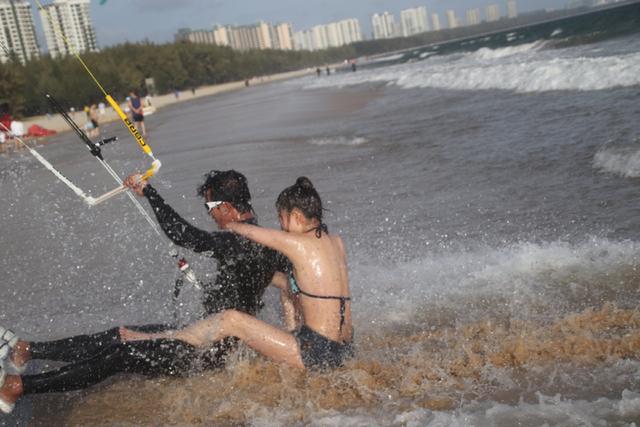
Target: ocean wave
(622, 161)
(384, 58)
(339, 140)
(519, 69)
(486, 53)
(524, 280)
(413, 368)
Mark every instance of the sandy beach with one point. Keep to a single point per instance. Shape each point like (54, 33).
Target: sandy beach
(57, 123)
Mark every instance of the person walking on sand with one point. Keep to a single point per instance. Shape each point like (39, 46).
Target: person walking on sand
(137, 112)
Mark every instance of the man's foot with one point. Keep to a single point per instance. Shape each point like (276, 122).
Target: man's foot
(15, 358)
(20, 356)
(10, 391)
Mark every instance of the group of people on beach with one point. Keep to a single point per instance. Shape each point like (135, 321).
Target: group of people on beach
(305, 262)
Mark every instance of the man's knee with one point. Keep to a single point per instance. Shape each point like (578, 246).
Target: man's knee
(231, 318)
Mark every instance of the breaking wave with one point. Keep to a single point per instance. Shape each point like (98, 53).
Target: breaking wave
(622, 161)
(487, 335)
(520, 69)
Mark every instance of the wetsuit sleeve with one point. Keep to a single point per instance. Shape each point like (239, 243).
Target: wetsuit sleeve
(282, 263)
(181, 232)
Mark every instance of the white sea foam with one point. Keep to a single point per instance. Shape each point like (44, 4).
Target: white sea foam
(525, 277)
(522, 69)
(385, 58)
(548, 410)
(339, 140)
(489, 54)
(619, 161)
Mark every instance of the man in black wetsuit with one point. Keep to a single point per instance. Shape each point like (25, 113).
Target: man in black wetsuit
(245, 270)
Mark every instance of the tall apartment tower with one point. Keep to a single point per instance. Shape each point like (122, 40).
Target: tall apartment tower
(435, 19)
(350, 29)
(452, 20)
(492, 12)
(512, 9)
(283, 36)
(72, 19)
(384, 26)
(221, 35)
(473, 17)
(257, 36)
(333, 34)
(414, 21)
(17, 31)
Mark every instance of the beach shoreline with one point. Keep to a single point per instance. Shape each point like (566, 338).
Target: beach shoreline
(57, 123)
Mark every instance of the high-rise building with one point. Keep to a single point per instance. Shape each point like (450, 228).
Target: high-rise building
(201, 36)
(283, 36)
(452, 19)
(384, 26)
(221, 35)
(17, 32)
(261, 35)
(319, 34)
(414, 21)
(473, 17)
(350, 29)
(245, 37)
(334, 34)
(72, 19)
(512, 9)
(435, 19)
(492, 12)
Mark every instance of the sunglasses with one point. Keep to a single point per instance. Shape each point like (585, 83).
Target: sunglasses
(212, 205)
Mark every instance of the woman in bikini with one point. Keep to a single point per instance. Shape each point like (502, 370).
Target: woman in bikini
(315, 294)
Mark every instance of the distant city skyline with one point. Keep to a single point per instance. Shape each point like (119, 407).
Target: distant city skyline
(118, 21)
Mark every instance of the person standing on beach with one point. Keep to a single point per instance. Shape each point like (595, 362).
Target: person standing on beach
(137, 112)
(93, 117)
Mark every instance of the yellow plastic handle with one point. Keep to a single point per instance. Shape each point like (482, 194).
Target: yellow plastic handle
(155, 167)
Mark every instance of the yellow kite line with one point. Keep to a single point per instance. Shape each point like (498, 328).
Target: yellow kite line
(156, 164)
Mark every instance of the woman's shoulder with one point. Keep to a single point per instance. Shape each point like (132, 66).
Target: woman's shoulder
(336, 241)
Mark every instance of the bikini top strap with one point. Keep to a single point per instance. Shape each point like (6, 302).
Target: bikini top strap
(319, 229)
(343, 303)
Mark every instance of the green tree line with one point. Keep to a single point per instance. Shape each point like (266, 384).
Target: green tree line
(124, 67)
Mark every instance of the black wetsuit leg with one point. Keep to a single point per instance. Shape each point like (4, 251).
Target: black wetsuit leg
(151, 357)
(81, 347)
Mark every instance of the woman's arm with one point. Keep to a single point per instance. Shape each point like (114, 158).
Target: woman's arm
(281, 241)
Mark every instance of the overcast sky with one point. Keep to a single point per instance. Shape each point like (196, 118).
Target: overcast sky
(117, 21)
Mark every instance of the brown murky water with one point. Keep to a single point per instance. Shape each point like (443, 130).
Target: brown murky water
(436, 370)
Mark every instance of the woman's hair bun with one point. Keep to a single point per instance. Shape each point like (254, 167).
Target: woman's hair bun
(304, 182)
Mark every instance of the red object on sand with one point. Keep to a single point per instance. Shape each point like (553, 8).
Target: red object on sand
(6, 120)
(36, 131)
